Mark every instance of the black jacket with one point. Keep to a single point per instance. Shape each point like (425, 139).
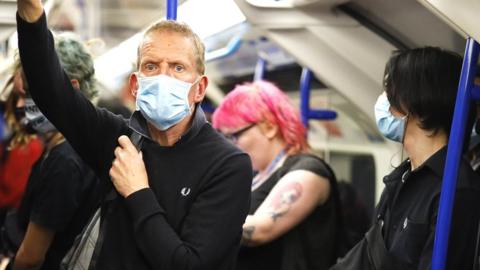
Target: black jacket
(403, 234)
(191, 216)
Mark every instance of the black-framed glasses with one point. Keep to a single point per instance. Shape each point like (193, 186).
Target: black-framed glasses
(235, 135)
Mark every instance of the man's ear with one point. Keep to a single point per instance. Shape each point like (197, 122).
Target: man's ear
(201, 89)
(75, 84)
(133, 84)
(268, 129)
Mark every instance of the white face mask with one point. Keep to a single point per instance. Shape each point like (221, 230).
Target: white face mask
(36, 119)
(163, 100)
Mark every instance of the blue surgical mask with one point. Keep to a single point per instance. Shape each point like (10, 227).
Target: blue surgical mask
(163, 100)
(36, 119)
(390, 126)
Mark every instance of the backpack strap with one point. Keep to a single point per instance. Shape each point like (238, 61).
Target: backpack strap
(100, 224)
(137, 140)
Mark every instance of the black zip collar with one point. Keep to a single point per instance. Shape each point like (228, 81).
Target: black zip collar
(139, 124)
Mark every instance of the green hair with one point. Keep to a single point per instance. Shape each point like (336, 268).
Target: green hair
(77, 62)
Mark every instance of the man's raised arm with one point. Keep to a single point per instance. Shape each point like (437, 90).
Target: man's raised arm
(66, 107)
(30, 10)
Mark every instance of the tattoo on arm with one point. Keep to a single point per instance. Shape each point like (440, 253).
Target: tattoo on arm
(247, 234)
(283, 200)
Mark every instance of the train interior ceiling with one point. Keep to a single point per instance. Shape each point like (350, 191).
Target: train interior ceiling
(344, 43)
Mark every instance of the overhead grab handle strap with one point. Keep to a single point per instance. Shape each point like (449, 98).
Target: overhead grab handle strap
(466, 91)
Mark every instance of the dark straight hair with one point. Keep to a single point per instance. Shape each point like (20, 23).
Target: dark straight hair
(423, 82)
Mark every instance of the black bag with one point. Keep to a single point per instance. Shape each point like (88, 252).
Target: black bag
(80, 255)
(370, 254)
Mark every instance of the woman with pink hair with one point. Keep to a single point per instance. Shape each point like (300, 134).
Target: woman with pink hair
(293, 220)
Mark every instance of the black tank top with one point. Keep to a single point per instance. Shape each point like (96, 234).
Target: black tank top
(308, 246)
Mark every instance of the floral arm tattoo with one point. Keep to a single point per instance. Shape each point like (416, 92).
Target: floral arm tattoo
(283, 200)
(277, 206)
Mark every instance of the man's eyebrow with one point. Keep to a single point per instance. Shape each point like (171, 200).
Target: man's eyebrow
(170, 60)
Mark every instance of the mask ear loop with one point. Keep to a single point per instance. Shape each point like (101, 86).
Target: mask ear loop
(194, 105)
(406, 117)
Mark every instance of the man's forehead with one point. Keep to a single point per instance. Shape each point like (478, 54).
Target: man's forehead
(163, 35)
(173, 42)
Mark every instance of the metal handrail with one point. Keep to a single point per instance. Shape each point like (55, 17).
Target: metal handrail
(232, 46)
(466, 91)
(306, 112)
(260, 69)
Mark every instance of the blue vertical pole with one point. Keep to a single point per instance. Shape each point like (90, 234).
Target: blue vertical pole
(305, 95)
(454, 153)
(260, 69)
(171, 9)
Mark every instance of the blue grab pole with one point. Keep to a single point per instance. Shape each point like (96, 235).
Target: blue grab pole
(305, 95)
(260, 69)
(322, 114)
(454, 152)
(305, 111)
(172, 9)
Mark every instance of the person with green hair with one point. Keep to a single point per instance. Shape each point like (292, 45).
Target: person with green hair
(61, 192)
(77, 63)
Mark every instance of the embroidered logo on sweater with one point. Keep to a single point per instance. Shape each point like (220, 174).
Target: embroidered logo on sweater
(185, 191)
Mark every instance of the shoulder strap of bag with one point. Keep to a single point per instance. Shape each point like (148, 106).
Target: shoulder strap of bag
(84, 253)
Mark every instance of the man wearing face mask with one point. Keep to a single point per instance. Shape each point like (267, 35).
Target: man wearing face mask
(61, 192)
(417, 110)
(181, 201)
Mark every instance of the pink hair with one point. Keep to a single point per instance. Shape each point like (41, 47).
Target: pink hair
(262, 101)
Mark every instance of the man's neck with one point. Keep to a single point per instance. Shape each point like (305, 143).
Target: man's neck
(421, 145)
(172, 135)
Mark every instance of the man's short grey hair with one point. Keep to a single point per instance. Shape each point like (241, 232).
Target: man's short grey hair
(77, 62)
(183, 29)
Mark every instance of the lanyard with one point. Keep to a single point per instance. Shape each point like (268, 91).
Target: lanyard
(260, 177)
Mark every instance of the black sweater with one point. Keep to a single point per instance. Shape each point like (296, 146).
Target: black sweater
(191, 216)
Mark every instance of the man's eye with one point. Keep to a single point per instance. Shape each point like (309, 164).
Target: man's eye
(179, 68)
(150, 67)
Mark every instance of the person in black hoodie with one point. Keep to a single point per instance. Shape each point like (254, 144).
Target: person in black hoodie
(181, 201)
